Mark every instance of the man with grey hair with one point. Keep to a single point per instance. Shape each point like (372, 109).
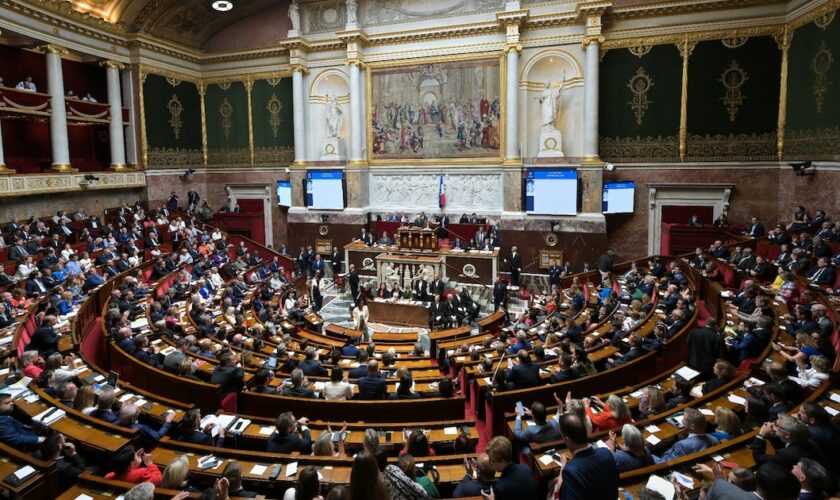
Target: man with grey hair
(299, 386)
(104, 410)
(632, 454)
(143, 491)
(789, 437)
(148, 436)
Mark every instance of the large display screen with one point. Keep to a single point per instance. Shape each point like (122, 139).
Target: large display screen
(284, 193)
(551, 191)
(325, 189)
(618, 197)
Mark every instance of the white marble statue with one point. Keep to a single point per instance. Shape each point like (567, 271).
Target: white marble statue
(549, 104)
(294, 15)
(333, 117)
(352, 7)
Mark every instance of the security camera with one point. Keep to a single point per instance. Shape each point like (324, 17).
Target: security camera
(803, 168)
(609, 167)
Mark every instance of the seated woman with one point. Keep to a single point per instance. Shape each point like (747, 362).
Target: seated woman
(804, 346)
(727, 424)
(417, 445)
(724, 371)
(324, 446)
(338, 388)
(66, 304)
(176, 474)
(614, 413)
(813, 377)
(632, 454)
(651, 402)
(404, 390)
(134, 467)
(382, 292)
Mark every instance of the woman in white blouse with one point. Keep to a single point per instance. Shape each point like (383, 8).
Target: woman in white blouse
(811, 378)
(360, 315)
(25, 268)
(338, 388)
(67, 251)
(84, 261)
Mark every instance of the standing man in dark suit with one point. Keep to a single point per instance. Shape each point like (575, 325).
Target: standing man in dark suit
(516, 480)
(514, 262)
(229, 377)
(373, 385)
(420, 289)
(316, 300)
(554, 274)
(705, 346)
(591, 473)
(353, 281)
(499, 293)
(192, 200)
(335, 262)
(437, 287)
(45, 338)
(443, 229)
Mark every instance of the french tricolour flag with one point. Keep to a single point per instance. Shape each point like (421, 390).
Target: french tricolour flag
(442, 194)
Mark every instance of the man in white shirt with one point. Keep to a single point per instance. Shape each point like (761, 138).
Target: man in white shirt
(27, 85)
(89, 98)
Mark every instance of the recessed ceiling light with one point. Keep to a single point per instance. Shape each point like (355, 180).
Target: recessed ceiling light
(222, 5)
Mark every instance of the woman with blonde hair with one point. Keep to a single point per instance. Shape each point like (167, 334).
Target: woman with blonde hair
(85, 400)
(176, 473)
(811, 378)
(727, 423)
(323, 446)
(651, 402)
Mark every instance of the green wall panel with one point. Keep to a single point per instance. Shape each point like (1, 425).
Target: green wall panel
(173, 122)
(640, 104)
(226, 106)
(733, 100)
(272, 108)
(813, 116)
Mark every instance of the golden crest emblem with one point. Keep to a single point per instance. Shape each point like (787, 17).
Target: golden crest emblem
(551, 239)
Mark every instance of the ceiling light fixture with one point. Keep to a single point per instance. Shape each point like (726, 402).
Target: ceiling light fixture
(222, 5)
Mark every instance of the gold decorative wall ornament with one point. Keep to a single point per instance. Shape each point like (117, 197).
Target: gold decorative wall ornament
(640, 50)
(824, 20)
(274, 108)
(639, 86)
(733, 79)
(226, 110)
(224, 85)
(171, 80)
(175, 110)
(550, 239)
(734, 42)
(273, 81)
(820, 65)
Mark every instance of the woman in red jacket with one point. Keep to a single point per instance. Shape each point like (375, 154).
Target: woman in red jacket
(127, 467)
(613, 414)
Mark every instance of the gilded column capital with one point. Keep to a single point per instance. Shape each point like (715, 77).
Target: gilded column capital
(784, 39)
(517, 47)
(686, 48)
(112, 64)
(590, 39)
(298, 67)
(54, 49)
(355, 61)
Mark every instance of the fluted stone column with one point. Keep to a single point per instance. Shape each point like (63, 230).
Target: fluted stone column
(299, 123)
(356, 132)
(58, 119)
(3, 169)
(112, 72)
(512, 153)
(590, 101)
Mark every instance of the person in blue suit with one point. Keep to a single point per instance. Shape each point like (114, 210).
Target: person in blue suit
(591, 473)
(516, 480)
(148, 436)
(697, 440)
(373, 385)
(12, 432)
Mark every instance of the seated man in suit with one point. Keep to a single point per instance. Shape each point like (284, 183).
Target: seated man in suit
(360, 371)
(823, 274)
(635, 351)
(285, 438)
(299, 388)
(524, 374)
(104, 409)
(541, 431)
(12, 432)
(148, 436)
(311, 366)
(373, 385)
(591, 472)
(565, 371)
(789, 437)
(695, 423)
